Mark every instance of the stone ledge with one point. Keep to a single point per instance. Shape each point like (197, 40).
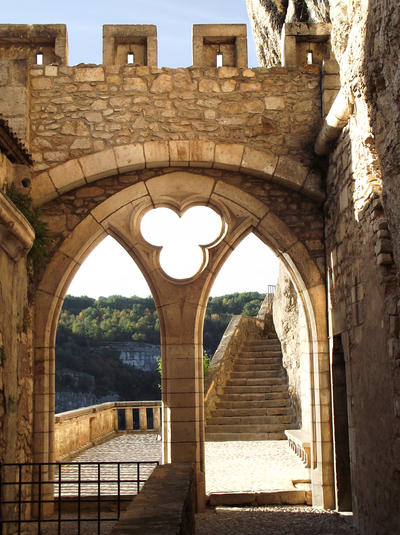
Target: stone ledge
(164, 506)
(16, 234)
(282, 497)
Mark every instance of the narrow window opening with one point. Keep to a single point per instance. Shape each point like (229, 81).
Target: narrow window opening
(39, 58)
(130, 58)
(219, 60)
(309, 57)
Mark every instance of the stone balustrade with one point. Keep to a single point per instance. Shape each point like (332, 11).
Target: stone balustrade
(300, 445)
(80, 429)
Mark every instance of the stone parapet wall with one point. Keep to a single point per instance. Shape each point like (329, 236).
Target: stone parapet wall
(78, 430)
(165, 505)
(16, 377)
(85, 109)
(364, 321)
(240, 329)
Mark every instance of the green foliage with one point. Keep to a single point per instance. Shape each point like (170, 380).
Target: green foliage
(115, 318)
(40, 251)
(206, 363)
(99, 371)
(220, 311)
(85, 323)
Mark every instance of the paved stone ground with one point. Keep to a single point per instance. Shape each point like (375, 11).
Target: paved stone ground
(272, 520)
(252, 466)
(231, 466)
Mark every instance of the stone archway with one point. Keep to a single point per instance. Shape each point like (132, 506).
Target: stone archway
(181, 306)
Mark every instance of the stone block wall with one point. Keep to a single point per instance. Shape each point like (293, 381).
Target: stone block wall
(80, 429)
(363, 314)
(84, 109)
(14, 96)
(16, 378)
(362, 243)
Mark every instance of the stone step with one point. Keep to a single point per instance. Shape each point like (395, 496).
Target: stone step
(251, 420)
(262, 341)
(261, 354)
(226, 437)
(252, 411)
(254, 374)
(252, 394)
(263, 386)
(259, 363)
(274, 399)
(255, 384)
(243, 428)
(262, 347)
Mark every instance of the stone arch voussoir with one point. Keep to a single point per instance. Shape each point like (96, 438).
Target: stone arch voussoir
(71, 174)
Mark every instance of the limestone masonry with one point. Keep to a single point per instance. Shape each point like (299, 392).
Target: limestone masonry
(302, 151)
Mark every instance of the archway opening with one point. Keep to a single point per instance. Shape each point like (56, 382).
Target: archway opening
(107, 353)
(258, 379)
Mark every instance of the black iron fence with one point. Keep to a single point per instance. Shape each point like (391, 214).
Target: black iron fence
(45, 496)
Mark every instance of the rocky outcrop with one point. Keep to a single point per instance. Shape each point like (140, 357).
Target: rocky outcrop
(268, 16)
(290, 326)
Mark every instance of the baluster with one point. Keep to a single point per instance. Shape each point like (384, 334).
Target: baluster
(143, 419)
(129, 419)
(156, 418)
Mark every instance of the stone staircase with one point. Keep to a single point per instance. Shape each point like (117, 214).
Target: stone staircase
(255, 403)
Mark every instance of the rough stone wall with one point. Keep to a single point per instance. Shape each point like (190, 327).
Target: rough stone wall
(268, 16)
(14, 98)
(290, 326)
(302, 216)
(363, 248)
(80, 110)
(15, 336)
(364, 313)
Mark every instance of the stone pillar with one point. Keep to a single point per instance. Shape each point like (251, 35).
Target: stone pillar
(182, 390)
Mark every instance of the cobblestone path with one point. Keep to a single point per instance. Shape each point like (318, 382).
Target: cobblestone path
(231, 466)
(272, 520)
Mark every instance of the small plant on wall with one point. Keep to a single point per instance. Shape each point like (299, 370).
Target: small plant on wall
(40, 251)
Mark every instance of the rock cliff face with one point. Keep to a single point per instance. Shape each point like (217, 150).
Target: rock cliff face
(290, 326)
(362, 230)
(268, 16)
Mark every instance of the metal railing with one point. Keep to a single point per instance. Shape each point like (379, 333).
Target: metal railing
(53, 494)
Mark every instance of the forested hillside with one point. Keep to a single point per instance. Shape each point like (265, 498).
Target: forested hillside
(87, 323)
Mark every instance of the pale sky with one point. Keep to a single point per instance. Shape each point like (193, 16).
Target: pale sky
(174, 20)
(109, 269)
